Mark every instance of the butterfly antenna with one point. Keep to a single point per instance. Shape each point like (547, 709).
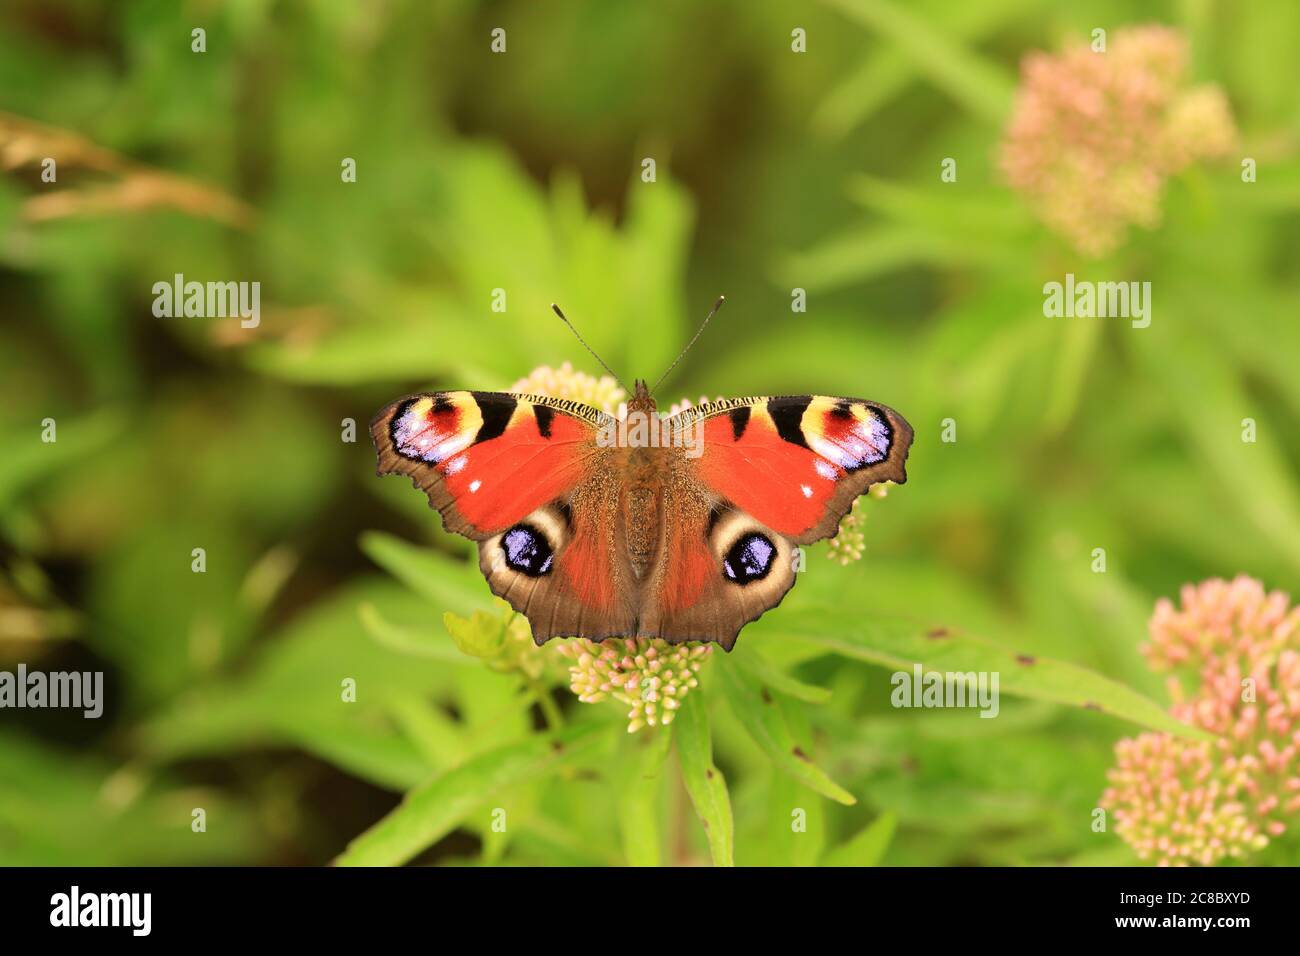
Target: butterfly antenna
(716, 306)
(556, 309)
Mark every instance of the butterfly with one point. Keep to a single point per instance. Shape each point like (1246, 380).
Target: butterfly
(682, 528)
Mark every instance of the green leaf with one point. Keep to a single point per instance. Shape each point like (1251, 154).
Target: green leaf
(931, 205)
(704, 781)
(868, 846)
(759, 711)
(896, 643)
(1078, 347)
(885, 72)
(763, 671)
(447, 583)
(290, 693)
(434, 809)
(865, 252)
(407, 640)
(437, 737)
(64, 807)
(371, 752)
(1208, 401)
(794, 824)
(979, 84)
(479, 635)
(28, 459)
(398, 333)
(638, 803)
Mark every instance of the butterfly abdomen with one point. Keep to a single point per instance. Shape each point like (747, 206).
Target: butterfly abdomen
(641, 526)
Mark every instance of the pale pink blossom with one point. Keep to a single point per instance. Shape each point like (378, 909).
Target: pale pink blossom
(1094, 135)
(1233, 654)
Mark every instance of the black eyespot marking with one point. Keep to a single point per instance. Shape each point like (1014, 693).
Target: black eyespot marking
(739, 421)
(750, 559)
(527, 551)
(395, 426)
(787, 414)
(409, 435)
(496, 409)
(545, 415)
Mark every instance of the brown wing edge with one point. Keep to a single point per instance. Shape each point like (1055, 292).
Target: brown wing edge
(721, 635)
(423, 475)
(723, 639)
(856, 483)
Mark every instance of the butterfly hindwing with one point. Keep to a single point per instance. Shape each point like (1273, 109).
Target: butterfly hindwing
(556, 567)
(721, 569)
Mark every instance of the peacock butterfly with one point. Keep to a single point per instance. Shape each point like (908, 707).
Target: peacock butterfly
(681, 528)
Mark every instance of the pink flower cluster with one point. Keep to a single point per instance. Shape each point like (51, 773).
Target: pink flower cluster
(1094, 135)
(1180, 801)
(650, 675)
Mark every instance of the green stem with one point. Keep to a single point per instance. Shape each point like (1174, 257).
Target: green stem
(550, 710)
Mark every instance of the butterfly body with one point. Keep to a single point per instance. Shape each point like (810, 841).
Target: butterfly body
(682, 528)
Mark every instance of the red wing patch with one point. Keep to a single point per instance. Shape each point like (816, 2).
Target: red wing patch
(498, 456)
(688, 567)
(587, 566)
(795, 463)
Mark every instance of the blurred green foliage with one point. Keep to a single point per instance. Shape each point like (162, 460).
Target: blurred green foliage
(521, 171)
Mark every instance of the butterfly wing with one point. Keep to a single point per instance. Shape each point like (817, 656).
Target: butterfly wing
(524, 476)
(797, 462)
(720, 569)
(773, 473)
(486, 459)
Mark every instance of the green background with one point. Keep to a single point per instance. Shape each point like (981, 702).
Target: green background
(521, 171)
